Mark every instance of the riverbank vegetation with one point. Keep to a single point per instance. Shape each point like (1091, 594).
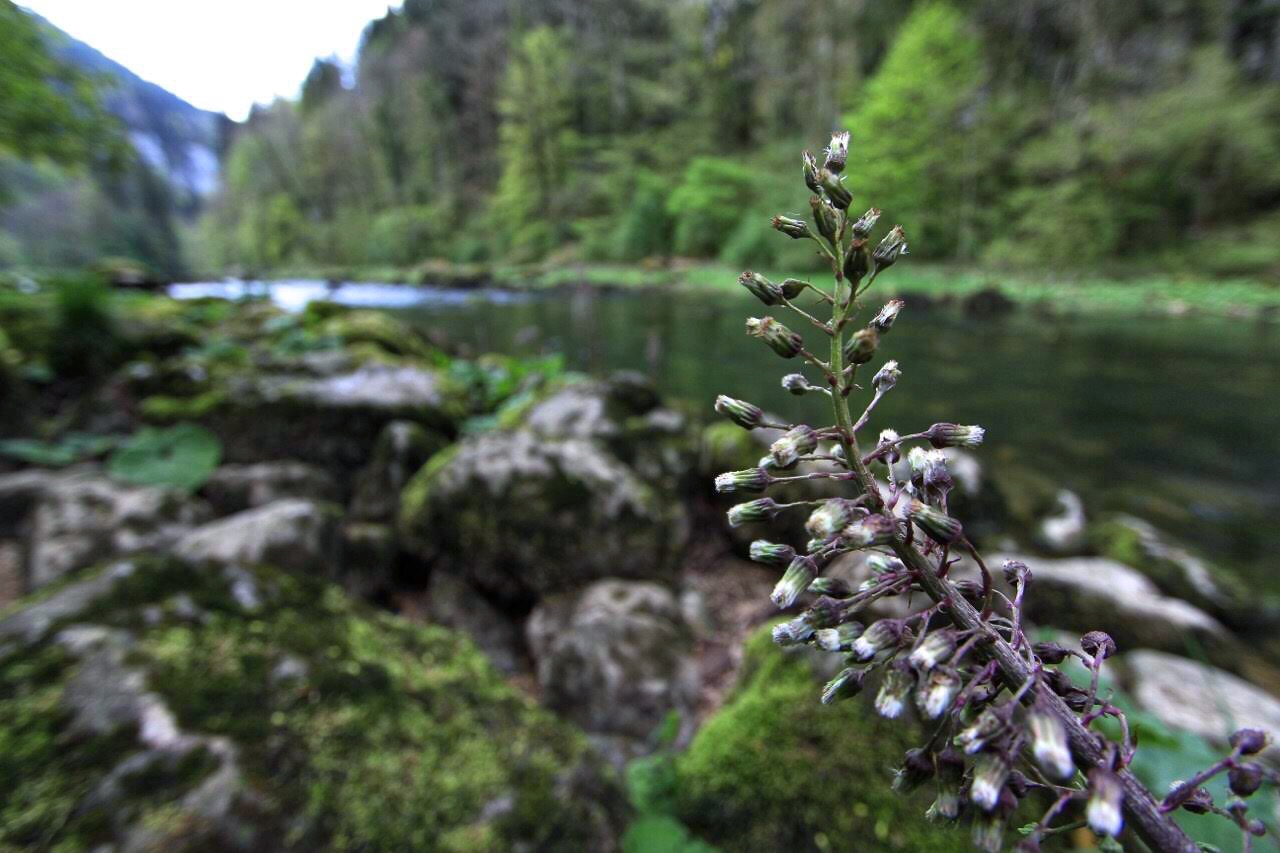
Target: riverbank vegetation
(1024, 137)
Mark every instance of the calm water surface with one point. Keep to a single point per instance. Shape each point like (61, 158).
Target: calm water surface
(1174, 420)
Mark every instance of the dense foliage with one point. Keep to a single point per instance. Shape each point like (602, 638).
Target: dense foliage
(1040, 132)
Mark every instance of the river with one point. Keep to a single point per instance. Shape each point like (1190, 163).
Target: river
(1172, 419)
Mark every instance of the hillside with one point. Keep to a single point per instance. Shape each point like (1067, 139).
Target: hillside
(179, 140)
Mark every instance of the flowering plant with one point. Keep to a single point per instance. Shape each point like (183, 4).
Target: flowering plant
(1009, 726)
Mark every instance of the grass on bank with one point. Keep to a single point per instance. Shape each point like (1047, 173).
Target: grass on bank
(1161, 292)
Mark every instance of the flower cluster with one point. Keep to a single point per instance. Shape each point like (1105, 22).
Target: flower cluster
(1010, 728)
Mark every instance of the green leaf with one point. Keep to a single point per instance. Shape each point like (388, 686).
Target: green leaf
(661, 834)
(182, 456)
(72, 448)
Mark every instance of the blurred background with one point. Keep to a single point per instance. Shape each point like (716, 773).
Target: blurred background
(356, 370)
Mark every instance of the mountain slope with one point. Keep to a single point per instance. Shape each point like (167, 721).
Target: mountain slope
(178, 140)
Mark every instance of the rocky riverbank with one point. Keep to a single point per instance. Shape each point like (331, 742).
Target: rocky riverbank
(421, 601)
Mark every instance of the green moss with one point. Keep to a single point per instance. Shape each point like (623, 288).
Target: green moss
(161, 407)
(49, 770)
(380, 329)
(387, 735)
(413, 499)
(776, 770)
(728, 447)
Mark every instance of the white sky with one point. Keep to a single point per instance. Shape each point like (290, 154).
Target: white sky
(222, 55)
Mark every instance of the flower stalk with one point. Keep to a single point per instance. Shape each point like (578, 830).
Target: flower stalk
(966, 660)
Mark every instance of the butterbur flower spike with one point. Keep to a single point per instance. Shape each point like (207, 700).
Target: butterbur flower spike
(882, 635)
(937, 693)
(990, 771)
(884, 321)
(1049, 743)
(761, 288)
(830, 518)
(762, 509)
(797, 229)
(839, 638)
(793, 444)
(794, 581)
(955, 435)
(847, 684)
(894, 690)
(780, 339)
(741, 412)
(837, 152)
(935, 648)
(1106, 797)
(748, 480)
(1006, 717)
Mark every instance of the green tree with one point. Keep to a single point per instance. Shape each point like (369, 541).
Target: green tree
(47, 108)
(535, 144)
(915, 145)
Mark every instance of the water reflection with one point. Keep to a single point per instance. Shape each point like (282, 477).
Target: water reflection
(293, 295)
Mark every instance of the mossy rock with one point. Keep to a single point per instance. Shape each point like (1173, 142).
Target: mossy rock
(279, 715)
(381, 329)
(1180, 572)
(522, 516)
(331, 421)
(776, 770)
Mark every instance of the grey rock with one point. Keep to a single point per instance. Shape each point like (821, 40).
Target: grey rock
(522, 516)
(368, 557)
(1180, 572)
(13, 583)
(233, 488)
(1064, 531)
(453, 603)
(104, 696)
(1195, 697)
(34, 621)
(622, 414)
(378, 387)
(19, 493)
(293, 534)
(1088, 593)
(85, 518)
(401, 449)
(615, 657)
(330, 421)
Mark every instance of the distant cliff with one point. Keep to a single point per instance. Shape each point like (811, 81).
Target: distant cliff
(181, 142)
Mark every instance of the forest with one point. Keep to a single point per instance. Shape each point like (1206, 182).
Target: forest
(1032, 134)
